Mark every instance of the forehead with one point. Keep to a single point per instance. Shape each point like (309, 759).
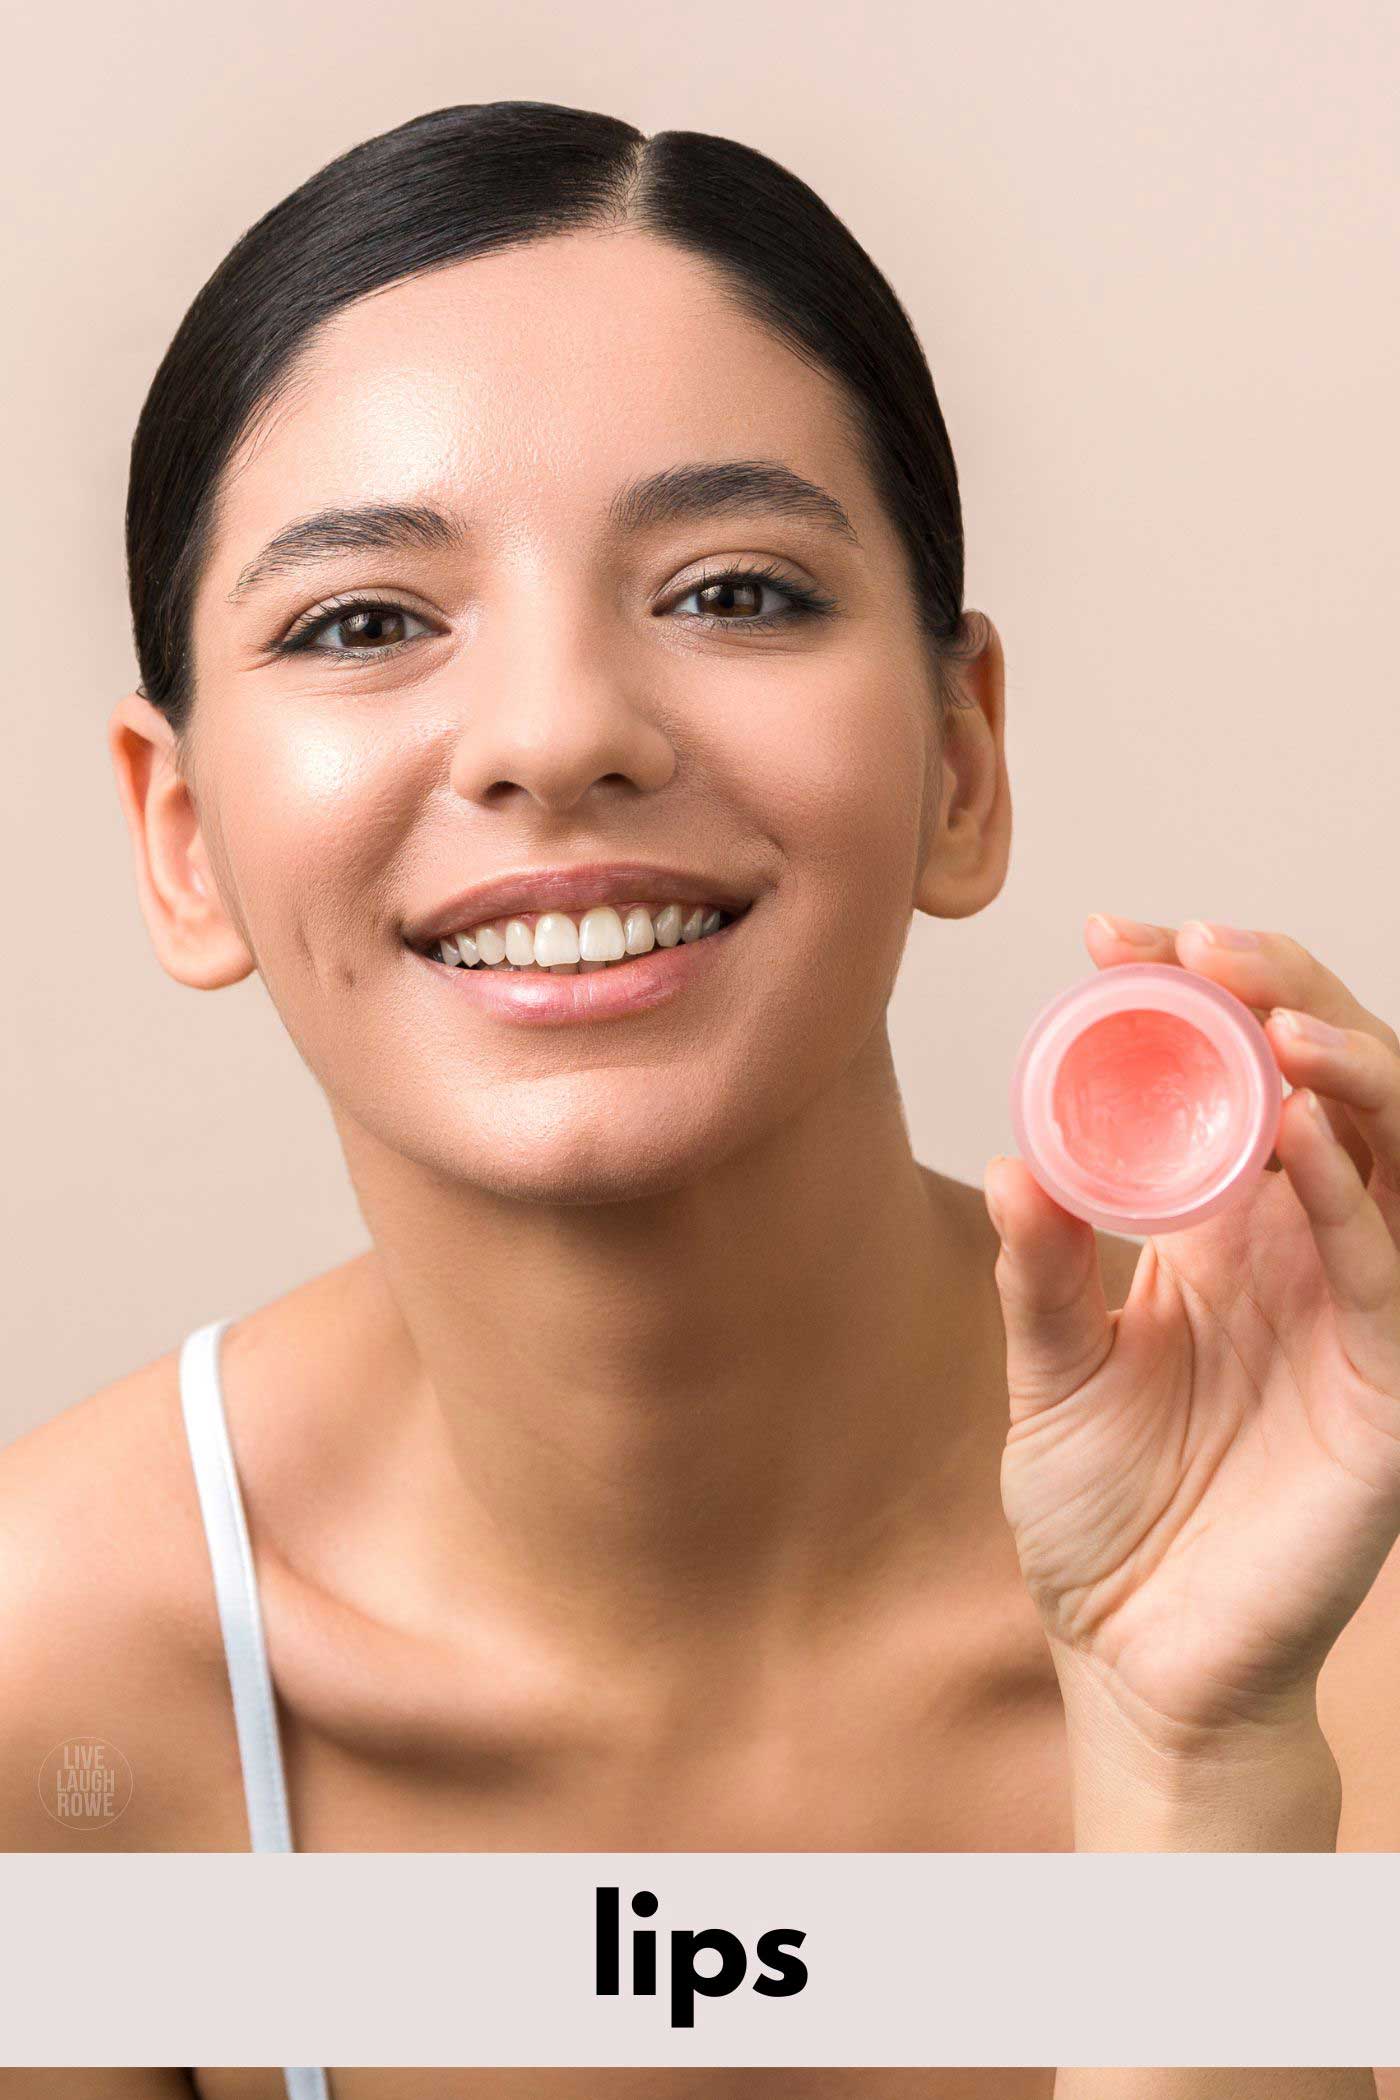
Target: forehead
(529, 384)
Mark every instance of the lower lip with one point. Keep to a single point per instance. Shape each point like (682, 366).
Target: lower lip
(539, 998)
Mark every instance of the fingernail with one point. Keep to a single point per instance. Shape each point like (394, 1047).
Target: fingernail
(1316, 1110)
(1307, 1025)
(1137, 931)
(1225, 936)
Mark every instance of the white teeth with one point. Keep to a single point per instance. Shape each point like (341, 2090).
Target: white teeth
(639, 934)
(556, 939)
(668, 926)
(600, 936)
(598, 940)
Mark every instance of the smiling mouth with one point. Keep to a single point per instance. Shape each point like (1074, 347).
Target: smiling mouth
(554, 943)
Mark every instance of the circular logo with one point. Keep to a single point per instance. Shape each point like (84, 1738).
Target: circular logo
(85, 1782)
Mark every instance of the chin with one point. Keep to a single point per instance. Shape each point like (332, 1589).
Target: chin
(606, 1164)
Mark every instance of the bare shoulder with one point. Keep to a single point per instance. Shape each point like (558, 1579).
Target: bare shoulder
(109, 1630)
(111, 1663)
(1358, 1698)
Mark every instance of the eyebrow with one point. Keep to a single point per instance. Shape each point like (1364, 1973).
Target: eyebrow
(674, 495)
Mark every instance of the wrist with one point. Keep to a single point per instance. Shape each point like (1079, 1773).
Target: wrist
(1141, 1782)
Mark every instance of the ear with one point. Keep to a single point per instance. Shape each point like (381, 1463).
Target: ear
(193, 936)
(969, 839)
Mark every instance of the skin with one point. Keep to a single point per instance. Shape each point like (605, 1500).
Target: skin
(641, 1486)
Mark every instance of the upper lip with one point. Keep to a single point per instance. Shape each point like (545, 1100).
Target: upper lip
(566, 888)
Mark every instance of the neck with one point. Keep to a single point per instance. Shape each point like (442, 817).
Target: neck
(729, 1401)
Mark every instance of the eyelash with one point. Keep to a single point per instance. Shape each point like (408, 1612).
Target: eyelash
(804, 603)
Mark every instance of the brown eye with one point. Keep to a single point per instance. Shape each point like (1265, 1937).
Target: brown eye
(369, 626)
(368, 623)
(748, 590)
(733, 598)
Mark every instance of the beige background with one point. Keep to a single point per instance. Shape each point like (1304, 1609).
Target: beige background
(1151, 254)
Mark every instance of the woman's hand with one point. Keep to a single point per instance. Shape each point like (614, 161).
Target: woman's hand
(1204, 1484)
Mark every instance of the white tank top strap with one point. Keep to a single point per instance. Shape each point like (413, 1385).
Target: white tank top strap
(303, 2084)
(236, 1589)
(240, 1618)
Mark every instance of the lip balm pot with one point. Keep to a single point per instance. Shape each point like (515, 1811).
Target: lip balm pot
(1145, 1098)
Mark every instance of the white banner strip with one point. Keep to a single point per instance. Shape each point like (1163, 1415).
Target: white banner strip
(811, 1959)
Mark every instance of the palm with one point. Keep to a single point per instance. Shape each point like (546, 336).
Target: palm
(1203, 1511)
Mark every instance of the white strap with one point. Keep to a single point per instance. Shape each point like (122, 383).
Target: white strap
(236, 1588)
(240, 1618)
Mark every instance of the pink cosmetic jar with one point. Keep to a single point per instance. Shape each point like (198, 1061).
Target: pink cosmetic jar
(1145, 1098)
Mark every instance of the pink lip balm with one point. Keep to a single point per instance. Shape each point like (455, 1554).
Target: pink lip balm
(1145, 1098)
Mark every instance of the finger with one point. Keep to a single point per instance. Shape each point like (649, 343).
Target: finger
(1142, 942)
(1279, 971)
(1121, 940)
(1359, 1258)
(1058, 1330)
(1363, 1074)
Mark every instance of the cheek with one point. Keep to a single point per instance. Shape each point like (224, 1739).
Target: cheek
(309, 812)
(840, 786)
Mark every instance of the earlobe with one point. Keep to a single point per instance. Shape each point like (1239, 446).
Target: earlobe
(194, 938)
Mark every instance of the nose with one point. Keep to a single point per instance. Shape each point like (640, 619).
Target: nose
(557, 710)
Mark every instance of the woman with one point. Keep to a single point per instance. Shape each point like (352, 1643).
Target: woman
(539, 533)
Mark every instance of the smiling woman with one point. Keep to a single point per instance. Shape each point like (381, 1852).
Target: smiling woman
(546, 567)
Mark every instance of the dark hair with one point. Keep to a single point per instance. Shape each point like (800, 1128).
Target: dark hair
(482, 176)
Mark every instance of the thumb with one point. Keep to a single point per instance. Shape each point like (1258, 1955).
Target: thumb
(1058, 1331)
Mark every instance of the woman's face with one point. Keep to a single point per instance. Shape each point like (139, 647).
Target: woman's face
(543, 692)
